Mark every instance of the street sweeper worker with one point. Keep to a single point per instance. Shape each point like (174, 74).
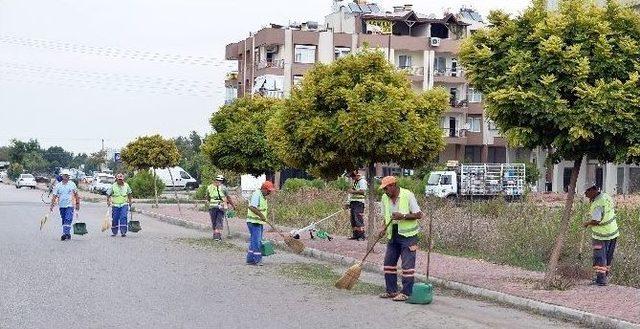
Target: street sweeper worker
(604, 232)
(401, 214)
(357, 196)
(65, 194)
(256, 217)
(119, 199)
(218, 197)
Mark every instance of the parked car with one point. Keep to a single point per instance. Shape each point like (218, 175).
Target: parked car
(3, 175)
(43, 179)
(181, 179)
(26, 180)
(102, 182)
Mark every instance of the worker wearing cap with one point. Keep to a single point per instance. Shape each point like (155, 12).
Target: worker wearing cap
(218, 197)
(119, 199)
(256, 218)
(65, 194)
(604, 231)
(357, 196)
(401, 214)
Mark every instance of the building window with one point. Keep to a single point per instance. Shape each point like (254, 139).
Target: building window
(342, 52)
(297, 80)
(473, 124)
(474, 96)
(440, 65)
(473, 153)
(305, 54)
(496, 154)
(405, 61)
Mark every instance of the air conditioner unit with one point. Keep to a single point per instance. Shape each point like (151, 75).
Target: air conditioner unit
(435, 42)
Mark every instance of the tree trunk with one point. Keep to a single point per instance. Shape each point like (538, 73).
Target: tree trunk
(175, 191)
(564, 224)
(155, 186)
(371, 202)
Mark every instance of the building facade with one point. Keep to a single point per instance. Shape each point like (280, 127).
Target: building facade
(274, 59)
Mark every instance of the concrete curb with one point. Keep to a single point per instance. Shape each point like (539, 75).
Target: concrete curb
(546, 309)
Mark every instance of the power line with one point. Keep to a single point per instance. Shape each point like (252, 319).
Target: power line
(111, 52)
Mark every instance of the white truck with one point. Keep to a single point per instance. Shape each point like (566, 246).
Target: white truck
(485, 180)
(181, 179)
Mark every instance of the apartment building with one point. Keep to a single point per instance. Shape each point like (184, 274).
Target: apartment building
(274, 59)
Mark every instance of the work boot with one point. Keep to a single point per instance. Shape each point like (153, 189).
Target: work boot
(68, 236)
(123, 235)
(63, 237)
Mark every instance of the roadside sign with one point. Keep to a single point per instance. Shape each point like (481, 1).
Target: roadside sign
(116, 158)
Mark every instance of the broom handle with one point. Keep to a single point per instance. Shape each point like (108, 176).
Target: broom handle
(386, 226)
(430, 242)
(274, 228)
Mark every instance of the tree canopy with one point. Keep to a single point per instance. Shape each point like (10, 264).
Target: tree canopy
(355, 112)
(150, 152)
(565, 80)
(239, 143)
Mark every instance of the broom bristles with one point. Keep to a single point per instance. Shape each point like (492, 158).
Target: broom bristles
(296, 245)
(350, 277)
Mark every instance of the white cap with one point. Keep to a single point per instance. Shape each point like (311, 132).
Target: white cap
(65, 172)
(220, 178)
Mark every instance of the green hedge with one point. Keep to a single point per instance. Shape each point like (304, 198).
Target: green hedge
(142, 185)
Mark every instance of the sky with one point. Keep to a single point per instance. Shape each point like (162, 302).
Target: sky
(76, 72)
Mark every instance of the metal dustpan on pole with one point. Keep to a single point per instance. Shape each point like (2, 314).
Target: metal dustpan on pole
(312, 228)
(422, 292)
(133, 225)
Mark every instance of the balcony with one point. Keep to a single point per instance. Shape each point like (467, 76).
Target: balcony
(458, 106)
(270, 63)
(413, 70)
(454, 135)
(449, 75)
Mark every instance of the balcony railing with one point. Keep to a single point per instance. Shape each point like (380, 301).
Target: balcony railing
(459, 103)
(271, 93)
(453, 132)
(448, 72)
(267, 63)
(413, 70)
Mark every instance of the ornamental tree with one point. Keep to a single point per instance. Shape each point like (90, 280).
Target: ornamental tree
(356, 112)
(151, 152)
(238, 142)
(564, 80)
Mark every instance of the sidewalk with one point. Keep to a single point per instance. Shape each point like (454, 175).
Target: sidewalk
(613, 301)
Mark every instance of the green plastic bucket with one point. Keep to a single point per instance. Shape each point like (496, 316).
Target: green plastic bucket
(231, 214)
(267, 248)
(80, 228)
(422, 293)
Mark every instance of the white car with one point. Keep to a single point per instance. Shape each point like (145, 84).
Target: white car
(26, 180)
(102, 182)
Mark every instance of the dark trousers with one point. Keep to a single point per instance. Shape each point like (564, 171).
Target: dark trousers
(217, 219)
(602, 258)
(400, 247)
(357, 218)
(119, 219)
(254, 254)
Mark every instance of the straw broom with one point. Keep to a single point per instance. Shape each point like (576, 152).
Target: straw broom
(351, 276)
(296, 245)
(45, 218)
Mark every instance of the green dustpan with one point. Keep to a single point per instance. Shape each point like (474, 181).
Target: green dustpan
(231, 213)
(422, 293)
(134, 226)
(80, 228)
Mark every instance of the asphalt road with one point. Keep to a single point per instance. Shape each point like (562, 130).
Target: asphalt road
(153, 279)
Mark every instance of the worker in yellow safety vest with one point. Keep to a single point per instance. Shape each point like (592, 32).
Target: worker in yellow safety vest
(219, 202)
(401, 213)
(119, 199)
(357, 197)
(604, 232)
(256, 218)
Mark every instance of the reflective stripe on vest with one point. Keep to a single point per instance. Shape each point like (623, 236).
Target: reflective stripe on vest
(119, 195)
(406, 228)
(608, 227)
(357, 197)
(263, 207)
(215, 195)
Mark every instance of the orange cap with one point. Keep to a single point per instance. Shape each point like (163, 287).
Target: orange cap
(268, 186)
(388, 180)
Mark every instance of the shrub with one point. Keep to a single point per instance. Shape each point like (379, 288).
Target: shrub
(295, 184)
(341, 184)
(14, 171)
(142, 184)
